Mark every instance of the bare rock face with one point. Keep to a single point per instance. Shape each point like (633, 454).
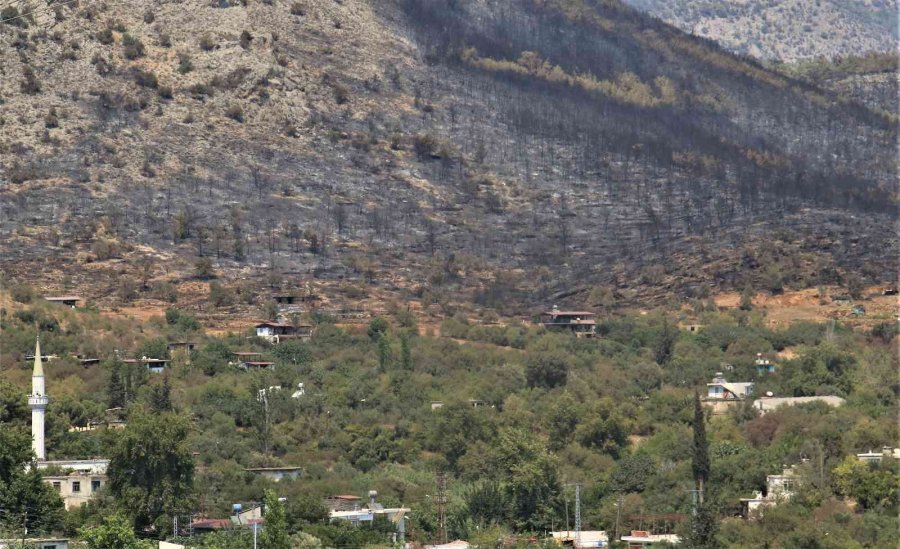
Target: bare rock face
(420, 145)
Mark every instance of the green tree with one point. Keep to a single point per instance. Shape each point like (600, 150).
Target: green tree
(384, 353)
(746, 302)
(151, 469)
(114, 533)
(115, 387)
(377, 327)
(275, 533)
(605, 430)
(546, 369)
(405, 353)
(26, 500)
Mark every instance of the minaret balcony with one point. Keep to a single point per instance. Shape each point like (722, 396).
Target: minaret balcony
(38, 401)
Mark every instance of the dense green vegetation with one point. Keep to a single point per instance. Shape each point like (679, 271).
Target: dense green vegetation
(615, 414)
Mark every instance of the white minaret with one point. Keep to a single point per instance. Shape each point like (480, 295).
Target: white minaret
(38, 402)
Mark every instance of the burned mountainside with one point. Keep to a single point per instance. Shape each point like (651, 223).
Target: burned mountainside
(509, 152)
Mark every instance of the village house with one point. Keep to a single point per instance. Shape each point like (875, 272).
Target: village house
(67, 300)
(343, 502)
(174, 346)
(76, 488)
(876, 457)
(285, 299)
(723, 394)
(690, 326)
(154, 365)
(256, 365)
(276, 332)
(763, 365)
(455, 544)
(275, 474)
(580, 323)
(36, 543)
(779, 488)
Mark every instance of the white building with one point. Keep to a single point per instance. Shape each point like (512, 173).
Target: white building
(639, 539)
(875, 457)
(722, 394)
(769, 403)
(779, 488)
(77, 481)
(581, 540)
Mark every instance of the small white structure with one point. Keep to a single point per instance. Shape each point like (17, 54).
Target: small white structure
(276, 473)
(875, 457)
(722, 389)
(583, 539)
(779, 488)
(36, 543)
(640, 538)
(299, 392)
(769, 403)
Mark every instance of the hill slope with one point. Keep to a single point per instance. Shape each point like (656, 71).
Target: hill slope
(426, 148)
(785, 29)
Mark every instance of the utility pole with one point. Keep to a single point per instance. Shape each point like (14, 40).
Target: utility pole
(577, 486)
(578, 516)
(618, 512)
(441, 501)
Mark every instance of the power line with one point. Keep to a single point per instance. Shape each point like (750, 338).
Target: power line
(37, 10)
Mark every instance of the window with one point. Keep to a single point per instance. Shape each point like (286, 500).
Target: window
(50, 546)
(76, 486)
(57, 485)
(95, 485)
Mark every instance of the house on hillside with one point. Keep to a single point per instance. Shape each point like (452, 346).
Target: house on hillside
(763, 365)
(343, 502)
(154, 365)
(779, 488)
(876, 457)
(67, 300)
(723, 394)
(580, 323)
(76, 488)
(276, 332)
(174, 346)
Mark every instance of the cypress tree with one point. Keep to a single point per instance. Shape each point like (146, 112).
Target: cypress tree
(115, 390)
(700, 461)
(405, 353)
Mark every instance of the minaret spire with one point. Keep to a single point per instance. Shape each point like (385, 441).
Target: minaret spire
(38, 402)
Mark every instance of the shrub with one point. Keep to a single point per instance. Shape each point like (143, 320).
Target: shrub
(22, 293)
(165, 40)
(105, 36)
(133, 47)
(341, 94)
(145, 78)
(184, 63)
(30, 84)
(149, 17)
(298, 9)
(235, 112)
(51, 120)
(204, 268)
(166, 92)
(164, 291)
(10, 16)
(207, 43)
(246, 39)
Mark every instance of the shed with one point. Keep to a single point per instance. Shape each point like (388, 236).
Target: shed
(67, 300)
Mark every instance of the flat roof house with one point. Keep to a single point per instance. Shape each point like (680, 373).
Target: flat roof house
(36, 543)
(722, 394)
(580, 323)
(67, 300)
(155, 365)
(276, 332)
(76, 489)
(276, 473)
